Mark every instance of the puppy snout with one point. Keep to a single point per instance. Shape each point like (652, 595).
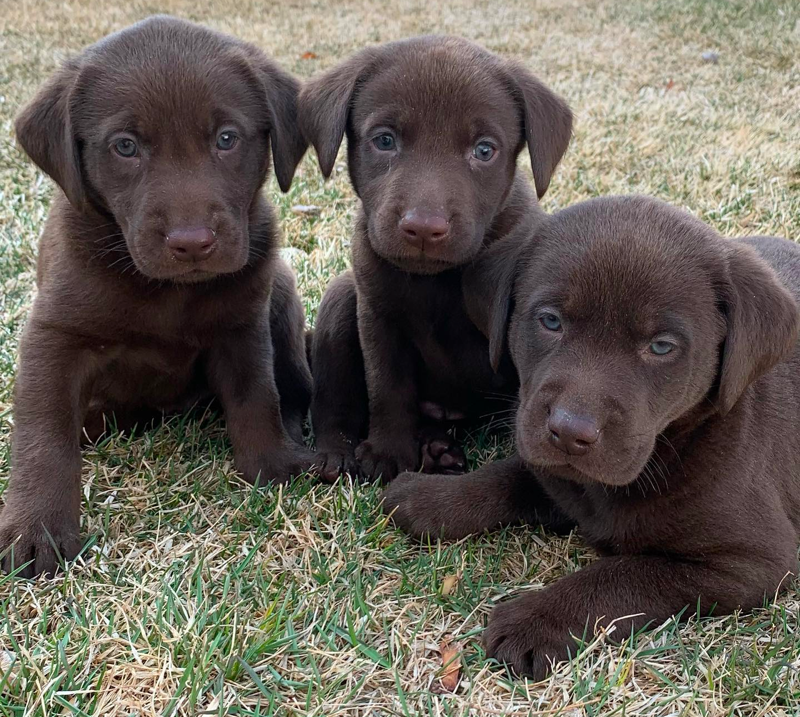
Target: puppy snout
(423, 229)
(191, 244)
(571, 433)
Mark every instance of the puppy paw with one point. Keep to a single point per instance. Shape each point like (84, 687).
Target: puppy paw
(279, 467)
(421, 505)
(43, 541)
(440, 453)
(329, 465)
(386, 462)
(525, 639)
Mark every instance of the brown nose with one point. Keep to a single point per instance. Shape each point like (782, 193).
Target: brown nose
(191, 243)
(424, 229)
(572, 434)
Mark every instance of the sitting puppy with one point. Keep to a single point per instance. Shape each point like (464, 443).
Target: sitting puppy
(159, 283)
(659, 405)
(434, 127)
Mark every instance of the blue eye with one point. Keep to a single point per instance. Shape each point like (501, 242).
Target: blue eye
(126, 147)
(550, 321)
(384, 142)
(661, 348)
(483, 151)
(227, 141)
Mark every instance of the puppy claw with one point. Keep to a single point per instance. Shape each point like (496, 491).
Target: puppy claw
(525, 642)
(42, 546)
(330, 466)
(384, 465)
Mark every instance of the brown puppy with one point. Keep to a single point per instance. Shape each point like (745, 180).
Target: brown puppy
(659, 405)
(158, 279)
(434, 127)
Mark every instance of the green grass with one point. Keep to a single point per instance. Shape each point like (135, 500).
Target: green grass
(196, 595)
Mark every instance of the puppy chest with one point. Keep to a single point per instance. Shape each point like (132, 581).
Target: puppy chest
(455, 356)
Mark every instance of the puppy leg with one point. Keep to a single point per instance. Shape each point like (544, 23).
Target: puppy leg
(529, 632)
(339, 400)
(390, 364)
(40, 522)
(452, 507)
(292, 374)
(241, 373)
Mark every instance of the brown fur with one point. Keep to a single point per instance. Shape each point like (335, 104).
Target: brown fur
(393, 338)
(158, 280)
(681, 469)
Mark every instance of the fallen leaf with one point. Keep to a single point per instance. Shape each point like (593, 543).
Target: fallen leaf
(449, 584)
(308, 56)
(451, 665)
(670, 84)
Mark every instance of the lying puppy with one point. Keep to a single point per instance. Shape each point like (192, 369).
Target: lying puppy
(434, 127)
(659, 405)
(158, 278)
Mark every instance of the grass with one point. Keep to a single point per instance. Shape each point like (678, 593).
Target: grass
(199, 596)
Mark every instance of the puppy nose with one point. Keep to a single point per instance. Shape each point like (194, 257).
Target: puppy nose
(422, 228)
(191, 243)
(572, 434)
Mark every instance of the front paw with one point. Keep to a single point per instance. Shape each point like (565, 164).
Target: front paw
(419, 505)
(329, 465)
(277, 467)
(526, 638)
(42, 539)
(386, 461)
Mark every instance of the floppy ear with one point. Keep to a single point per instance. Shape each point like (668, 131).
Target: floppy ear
(44, 130)
(288, 143)
(763, 322)
(325, 105)
(548, 124)
(488, 288)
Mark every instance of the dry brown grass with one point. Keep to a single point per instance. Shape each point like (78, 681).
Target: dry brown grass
(201, 597)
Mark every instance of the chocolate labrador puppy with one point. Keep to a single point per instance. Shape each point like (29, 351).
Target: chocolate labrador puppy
(659, 405)
(159, 283)
(434, 127)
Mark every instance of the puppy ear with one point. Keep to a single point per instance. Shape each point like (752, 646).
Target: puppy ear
(288, 143)
(548, 124)
(763, 322)
(325, 105)
(488, 288)
(44, 130)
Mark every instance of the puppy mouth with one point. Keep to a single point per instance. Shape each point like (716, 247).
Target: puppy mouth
(586, 470)
(153, 261)
(421, 264)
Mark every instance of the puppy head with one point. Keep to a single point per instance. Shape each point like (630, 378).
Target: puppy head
(167, 127)
(630, 316)
(434, 126)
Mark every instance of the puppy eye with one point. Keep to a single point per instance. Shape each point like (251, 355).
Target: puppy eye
(483, 151)
(661, 348)
(227, 141)
(384, 142)
(125, 147)
(550, 321)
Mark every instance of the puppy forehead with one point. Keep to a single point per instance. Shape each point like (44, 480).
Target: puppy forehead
(439, 86)
(160, 75)
(630, 273)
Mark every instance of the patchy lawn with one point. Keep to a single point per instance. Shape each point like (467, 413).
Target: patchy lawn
(199, 596)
